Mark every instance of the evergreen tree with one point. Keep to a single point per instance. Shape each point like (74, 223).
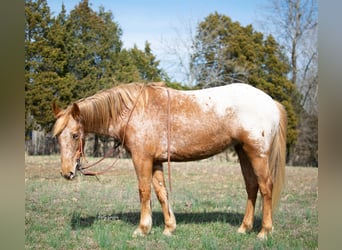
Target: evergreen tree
(74, 55)
(226, 52)
(46, 75)
(57, 39)
(92, 45)
(125, 69)
(39, 62)
(136, 65)
(146, 63)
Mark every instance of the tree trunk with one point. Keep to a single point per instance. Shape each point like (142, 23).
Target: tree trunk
(96, 150)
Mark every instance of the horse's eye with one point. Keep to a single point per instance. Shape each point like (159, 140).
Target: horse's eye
(75, 136)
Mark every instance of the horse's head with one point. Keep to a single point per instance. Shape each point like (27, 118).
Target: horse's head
(70, 133)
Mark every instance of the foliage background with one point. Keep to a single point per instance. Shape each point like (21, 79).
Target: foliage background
(73, 55)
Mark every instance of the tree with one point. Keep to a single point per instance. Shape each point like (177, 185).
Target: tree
(39, 66)
(69, 57)
(92, 45)
(57, 40)
(226, 52)
(177, 55)
(146, 63)
(294, 24)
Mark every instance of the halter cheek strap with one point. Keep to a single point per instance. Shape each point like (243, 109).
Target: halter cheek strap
(80, 154)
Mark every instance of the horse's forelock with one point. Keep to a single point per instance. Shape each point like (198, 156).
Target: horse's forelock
(61, 122)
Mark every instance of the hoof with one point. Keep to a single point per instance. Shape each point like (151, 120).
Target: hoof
(263, 234)
(138, 233)
(243, 229)
(167, 233)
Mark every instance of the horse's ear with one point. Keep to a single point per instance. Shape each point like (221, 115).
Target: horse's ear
(55, 108)
(75, 112)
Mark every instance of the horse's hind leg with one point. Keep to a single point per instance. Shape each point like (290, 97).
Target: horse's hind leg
(161, 192)
(251, 188)
(258, 176)
(261, 170)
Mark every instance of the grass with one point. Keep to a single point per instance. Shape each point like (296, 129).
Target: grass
(208, 199)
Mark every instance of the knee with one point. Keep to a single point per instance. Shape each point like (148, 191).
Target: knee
(144, 193)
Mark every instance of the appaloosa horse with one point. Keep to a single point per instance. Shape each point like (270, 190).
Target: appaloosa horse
(156, 123)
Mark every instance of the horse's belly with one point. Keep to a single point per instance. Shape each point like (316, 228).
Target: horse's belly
(199, 146)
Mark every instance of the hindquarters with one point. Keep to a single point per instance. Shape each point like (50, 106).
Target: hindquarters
(263, 170)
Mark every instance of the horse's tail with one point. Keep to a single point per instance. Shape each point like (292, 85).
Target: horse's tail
(278, 157)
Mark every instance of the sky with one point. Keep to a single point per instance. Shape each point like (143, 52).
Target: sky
(166, 23)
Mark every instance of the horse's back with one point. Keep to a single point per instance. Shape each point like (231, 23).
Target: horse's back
(242, 99)
(245, 108)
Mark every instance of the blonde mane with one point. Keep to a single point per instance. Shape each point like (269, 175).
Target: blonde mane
(107, 106)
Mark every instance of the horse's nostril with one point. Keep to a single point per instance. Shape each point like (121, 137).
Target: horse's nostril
(71, 175)
(68, 176)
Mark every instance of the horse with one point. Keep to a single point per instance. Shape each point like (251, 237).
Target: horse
(158, 124)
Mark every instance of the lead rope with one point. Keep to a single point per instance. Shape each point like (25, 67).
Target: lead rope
(95, 173)
(169, 137)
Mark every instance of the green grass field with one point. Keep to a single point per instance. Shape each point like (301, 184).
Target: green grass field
(208, 200)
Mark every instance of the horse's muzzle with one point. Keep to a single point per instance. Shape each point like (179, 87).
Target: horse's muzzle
(69, 176)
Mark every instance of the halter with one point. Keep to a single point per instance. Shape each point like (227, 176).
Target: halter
(80, 153)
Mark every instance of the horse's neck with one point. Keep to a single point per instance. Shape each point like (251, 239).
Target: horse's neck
(104, 129)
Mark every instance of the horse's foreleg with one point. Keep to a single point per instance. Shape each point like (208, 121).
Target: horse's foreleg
(261, 170)
(161, 192)
(251, 188)
(143, 168)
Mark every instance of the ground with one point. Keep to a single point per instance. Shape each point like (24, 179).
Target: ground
(208, 198)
